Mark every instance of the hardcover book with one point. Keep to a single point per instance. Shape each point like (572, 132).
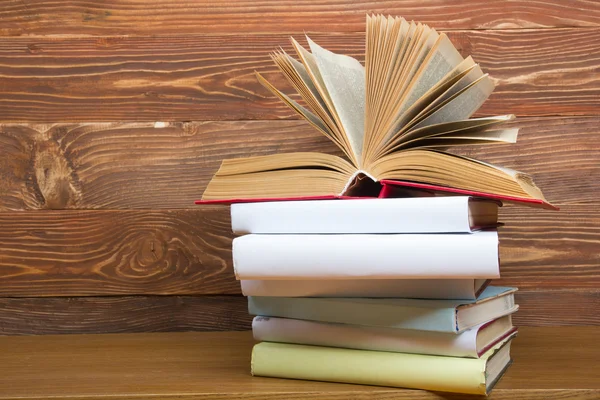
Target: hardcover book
(417, 371)
(460, 214)
(472, 343)
(367, 256)
(393, 120)
(452, 316)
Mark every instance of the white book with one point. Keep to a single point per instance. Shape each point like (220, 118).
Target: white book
(410, 288)
(451, 214)
(385, 256)
(471, 343)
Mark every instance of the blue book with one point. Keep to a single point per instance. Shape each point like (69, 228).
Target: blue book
(428, 315)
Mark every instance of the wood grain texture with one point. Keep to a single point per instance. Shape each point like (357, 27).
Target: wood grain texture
(90, 253)
(217, 366)
(211, 77)
(132, 17)
(135, 165)
(73, 315)
(557, 307)
(62, 315)
(553, 250)
(73, 253)
(116, 252)
(132, 165)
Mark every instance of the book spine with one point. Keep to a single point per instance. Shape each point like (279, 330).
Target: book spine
(386, 256)
(448, 374)
(284, 330)
(459, 289)
(425, 315)
(425, 215)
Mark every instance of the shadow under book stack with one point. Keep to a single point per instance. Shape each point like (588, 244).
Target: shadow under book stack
(390, 292)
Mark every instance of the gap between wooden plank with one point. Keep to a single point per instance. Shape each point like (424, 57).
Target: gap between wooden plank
(67, 315)
(247, 16)
(137, 165)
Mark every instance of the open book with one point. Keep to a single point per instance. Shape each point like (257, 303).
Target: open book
(392, 118)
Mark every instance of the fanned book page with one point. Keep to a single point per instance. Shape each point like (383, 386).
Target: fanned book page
(394, 119)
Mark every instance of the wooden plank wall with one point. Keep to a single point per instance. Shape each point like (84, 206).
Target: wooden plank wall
(98, 231)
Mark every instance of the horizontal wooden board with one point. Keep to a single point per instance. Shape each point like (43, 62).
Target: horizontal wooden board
(40, 316)
(60, 315)
(550, 249)
(122, 166)
(98, 253)
(131, 17)
(132, 165)
(211, 77)
(115, 252)
(557, 307)
(194, 366)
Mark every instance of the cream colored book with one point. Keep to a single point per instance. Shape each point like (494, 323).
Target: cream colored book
(393, 120)
(380, 368)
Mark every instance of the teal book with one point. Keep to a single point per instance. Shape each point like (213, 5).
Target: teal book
(428, 315)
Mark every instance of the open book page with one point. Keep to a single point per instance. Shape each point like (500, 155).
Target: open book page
(395, 74)
(525, 180)
(344, 78)
(418, 110)
(391, 119)
(276, 185)
(387, 41)
(423, 41)
(306, 114)
(299, 78)
(312, 68)
(427, 41)
(453, 139)
(250, 165)
(390, 103)
(280, 175)
(442, 59)
(465, 81)
(465, 128)
(444, 169)
(460, 83)
(305, 77)
(463, 104)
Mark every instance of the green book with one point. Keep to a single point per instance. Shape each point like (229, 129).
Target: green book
(416, 371)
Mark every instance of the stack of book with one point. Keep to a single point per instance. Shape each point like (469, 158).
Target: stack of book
(376, 291)
(387, 291)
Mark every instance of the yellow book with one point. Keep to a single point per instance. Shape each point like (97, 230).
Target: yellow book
(380, 368)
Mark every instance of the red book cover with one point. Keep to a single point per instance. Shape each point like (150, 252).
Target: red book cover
(261, 200)
(394, 189)
(389, 188)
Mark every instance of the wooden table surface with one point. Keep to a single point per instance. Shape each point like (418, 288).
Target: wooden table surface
(549, 363)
